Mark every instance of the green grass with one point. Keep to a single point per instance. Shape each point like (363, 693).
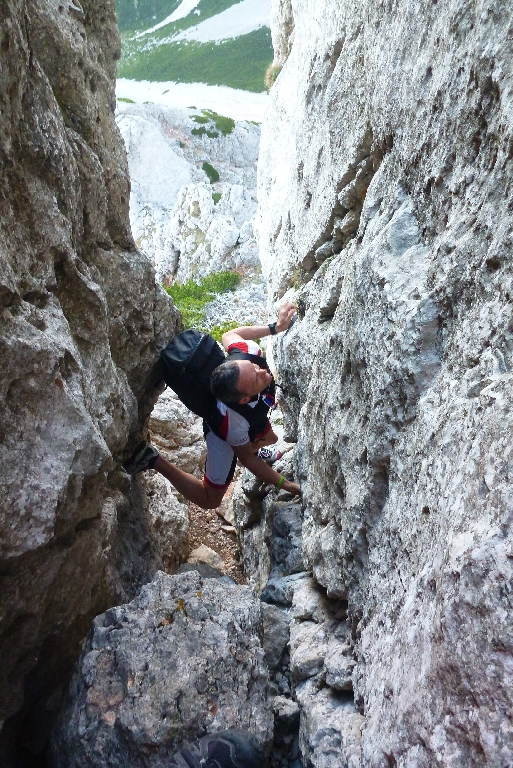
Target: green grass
(238, 63)
(216, 124)
(216, 196)
(218, 330)
(126, 101)
(192, 297)
(142, 14)
(211, 172)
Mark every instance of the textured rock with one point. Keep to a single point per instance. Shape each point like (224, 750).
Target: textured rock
(81, 324)
(398, 370)
(182, 659)
(330, 732)
(178, 433)
(268, 533)
(204, 554)
(210, 237)
(169, 520)
(276, 633)
(173, 214)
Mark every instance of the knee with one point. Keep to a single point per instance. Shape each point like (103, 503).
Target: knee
(214, 496)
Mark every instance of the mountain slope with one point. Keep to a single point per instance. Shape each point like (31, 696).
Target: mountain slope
(217, 42)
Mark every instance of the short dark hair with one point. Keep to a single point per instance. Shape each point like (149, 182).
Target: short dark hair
(223, 382)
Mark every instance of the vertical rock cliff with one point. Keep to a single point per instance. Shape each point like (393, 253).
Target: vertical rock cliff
(81, 324)
(385, 183)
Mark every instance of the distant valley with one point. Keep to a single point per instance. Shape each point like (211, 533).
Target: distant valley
(217, 42)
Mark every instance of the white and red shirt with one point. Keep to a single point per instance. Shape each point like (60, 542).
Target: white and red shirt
(234, 427)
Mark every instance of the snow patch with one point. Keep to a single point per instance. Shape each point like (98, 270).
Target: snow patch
(240, 19)
(183, 10)
(240, 105)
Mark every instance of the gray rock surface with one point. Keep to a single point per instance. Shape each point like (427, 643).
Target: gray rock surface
(81, 322)
(169, 520)
(173, 214)
(181, 660)
(388, 137)
(276, 633)
(330, 734)
(178, 433)
(268, 531)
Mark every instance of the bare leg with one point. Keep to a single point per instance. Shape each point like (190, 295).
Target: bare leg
(189, 486)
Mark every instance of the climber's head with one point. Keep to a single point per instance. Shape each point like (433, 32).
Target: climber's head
(237, 381)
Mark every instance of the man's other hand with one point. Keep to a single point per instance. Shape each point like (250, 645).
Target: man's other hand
(285, 315)
(291, 488)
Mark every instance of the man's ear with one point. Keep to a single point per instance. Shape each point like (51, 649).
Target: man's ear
(243, 400)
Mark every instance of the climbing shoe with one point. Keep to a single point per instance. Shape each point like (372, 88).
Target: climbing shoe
(270, 455)
(224, 749)
(143, 458)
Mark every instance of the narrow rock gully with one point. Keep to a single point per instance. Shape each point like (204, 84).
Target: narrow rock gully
(239, 636)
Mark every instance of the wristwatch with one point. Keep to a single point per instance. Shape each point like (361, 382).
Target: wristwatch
(272, 328)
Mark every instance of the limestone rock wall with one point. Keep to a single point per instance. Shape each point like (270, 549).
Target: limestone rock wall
(181, 660)
(385, 180)
(81, 322)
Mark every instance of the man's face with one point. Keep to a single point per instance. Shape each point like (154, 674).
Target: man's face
(252, 379)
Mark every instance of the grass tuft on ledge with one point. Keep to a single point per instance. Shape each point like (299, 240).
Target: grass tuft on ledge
(192, 297)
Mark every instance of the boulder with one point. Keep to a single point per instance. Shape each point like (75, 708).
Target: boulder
(182, 659)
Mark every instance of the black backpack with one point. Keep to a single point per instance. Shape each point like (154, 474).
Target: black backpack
(188, 361)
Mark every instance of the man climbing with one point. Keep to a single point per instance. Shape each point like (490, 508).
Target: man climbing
(238, 429)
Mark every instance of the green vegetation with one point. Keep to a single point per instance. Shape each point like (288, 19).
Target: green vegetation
(192, 297)
(211, 172)
(239, 63)
(127, 101)
(205, 132)
(141, 14)
(216, 124)
(216, 196)
(217, 331)
(224, 125)
(271, 75)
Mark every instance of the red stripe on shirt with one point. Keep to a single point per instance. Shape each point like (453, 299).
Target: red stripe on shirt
(243, 347)
(214, 485)
(223, 429)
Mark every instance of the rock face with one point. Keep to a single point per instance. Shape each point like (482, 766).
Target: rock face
(384, 179)
(174, 215)
(181, 660)
(308, 641)
(81, 324)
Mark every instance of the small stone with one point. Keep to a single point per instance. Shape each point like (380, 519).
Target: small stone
(204, 554)
(324, 252)
(228, 529)
(346, 226)
(285, 710)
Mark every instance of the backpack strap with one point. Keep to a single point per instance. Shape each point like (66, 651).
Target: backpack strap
(238, 354)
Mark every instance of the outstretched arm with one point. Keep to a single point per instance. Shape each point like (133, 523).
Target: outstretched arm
(260, 469)
(253, 332)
